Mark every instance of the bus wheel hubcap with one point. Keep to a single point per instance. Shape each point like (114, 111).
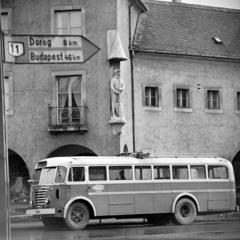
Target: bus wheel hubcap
(77, 215)
(185, 211)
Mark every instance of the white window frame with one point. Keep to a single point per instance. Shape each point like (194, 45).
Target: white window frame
(55, 75)
(177, 87)
(219, 90)
(55, 9)
(8, 79)
(159, 96)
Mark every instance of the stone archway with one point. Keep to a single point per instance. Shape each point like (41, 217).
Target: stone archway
(72, 150)
(19, 188)
(236, 167)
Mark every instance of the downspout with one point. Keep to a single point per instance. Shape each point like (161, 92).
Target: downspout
(131, 53)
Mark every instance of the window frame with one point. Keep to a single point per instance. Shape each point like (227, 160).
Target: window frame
(8, 76)
(219, 90)
(177, 87)
(8, 11)
(55, 75)
(237, 111)
(55, 9)
(159, 96)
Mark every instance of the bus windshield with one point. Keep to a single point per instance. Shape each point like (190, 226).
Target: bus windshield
(51, 175)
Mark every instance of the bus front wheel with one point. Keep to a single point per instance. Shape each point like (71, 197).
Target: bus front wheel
(185, 212)
(77, 216)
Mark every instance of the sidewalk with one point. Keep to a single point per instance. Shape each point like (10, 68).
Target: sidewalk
(235, 216)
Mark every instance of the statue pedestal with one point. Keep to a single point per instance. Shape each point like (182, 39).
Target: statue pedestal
(117, 124)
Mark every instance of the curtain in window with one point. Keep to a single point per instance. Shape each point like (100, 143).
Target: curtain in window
(62, 96)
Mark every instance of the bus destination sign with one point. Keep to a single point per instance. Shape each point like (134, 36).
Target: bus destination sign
(48, 49)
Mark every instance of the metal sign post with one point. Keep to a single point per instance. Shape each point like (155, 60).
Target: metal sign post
(5, 233)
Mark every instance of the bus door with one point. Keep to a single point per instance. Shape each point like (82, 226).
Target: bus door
(98, 189)
(219, 186)
(121, 190)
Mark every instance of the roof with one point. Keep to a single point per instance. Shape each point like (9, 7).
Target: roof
(179, 28)
(120, 161)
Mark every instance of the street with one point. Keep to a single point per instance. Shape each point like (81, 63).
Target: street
(131, 230)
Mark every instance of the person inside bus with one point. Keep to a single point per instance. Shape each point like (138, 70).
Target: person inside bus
(121, 175)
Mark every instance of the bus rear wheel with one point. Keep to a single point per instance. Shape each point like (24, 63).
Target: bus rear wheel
(185, 212)
(77, 216)
(53, 222)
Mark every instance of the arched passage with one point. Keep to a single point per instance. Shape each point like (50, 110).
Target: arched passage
(19, 187)
(72, 150)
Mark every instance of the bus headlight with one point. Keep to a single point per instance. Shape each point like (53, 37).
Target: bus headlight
(47, 200)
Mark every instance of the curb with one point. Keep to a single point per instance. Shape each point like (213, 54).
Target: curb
(199, 218)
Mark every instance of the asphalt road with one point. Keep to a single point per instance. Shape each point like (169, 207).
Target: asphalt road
(134, 230)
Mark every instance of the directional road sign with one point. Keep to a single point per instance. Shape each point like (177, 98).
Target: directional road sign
(48, 49)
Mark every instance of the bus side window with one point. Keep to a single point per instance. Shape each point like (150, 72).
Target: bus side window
(97, 173)
(198, 172)
(143, 173)
(180, 172)
(76, 174)
(120, 173)
(161, 172)
(217, 172)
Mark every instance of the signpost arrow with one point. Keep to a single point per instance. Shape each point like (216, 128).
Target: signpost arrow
(48, 49)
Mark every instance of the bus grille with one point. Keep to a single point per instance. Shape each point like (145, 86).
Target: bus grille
(39, 196)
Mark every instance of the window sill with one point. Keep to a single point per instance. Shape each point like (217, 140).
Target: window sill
(152, 108)
(213, 111)
(185, 110)
(59, 129)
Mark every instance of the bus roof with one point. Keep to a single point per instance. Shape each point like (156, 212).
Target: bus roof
(118, 161)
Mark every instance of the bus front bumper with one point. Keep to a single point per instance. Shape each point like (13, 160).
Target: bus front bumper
(42, 211)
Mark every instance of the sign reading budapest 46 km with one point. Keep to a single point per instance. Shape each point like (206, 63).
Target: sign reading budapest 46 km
(48, 49)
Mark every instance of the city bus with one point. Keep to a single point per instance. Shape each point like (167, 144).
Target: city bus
(70, 191)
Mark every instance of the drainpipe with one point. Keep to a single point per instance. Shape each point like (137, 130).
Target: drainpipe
(131, 53)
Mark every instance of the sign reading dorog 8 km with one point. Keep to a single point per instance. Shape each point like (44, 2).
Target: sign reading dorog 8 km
(48, 49)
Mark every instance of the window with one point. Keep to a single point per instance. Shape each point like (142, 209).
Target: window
(213, 99)
(68, 20)
(97, 173)
(198, 172)
(76, 174)
(151, 94)
(217, 172)
(238, 101)
(161, 172)
(6, 20)
(180, 172)
(151, 97)
(8, 91)
(143, 173)
(182, 98)
(120, 173)
(69, 100)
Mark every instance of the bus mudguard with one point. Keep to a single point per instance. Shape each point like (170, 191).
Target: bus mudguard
(78, 198)
(183, 195)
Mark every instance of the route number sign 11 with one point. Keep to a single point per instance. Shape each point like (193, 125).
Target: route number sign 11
(16, 49)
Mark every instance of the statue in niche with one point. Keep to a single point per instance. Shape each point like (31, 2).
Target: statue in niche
(117, 87)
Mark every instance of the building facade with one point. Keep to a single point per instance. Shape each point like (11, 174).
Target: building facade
(60, 109)
(178, 92)
(187, 80)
